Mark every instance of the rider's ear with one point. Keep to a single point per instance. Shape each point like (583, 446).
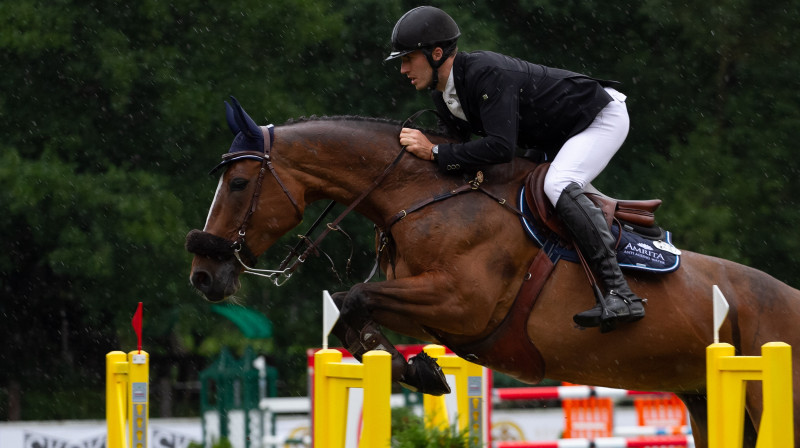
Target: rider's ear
(437, 53)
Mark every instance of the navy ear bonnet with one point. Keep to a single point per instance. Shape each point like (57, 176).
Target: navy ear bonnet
(248, 136)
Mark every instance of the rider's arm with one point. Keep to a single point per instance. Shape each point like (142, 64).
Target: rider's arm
(497, 98)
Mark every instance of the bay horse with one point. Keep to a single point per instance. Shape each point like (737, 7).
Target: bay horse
(453, 267)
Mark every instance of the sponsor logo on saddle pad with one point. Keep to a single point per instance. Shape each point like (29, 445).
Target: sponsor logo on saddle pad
(643, 250)
(637, 252)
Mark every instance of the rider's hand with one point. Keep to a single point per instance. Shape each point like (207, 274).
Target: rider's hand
(416, 143)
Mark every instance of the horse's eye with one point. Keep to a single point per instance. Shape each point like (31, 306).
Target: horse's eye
(238, 184)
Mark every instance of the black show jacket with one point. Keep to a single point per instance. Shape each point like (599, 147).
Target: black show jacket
(512, 103)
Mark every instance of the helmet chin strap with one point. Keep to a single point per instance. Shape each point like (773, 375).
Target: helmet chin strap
(446, 52)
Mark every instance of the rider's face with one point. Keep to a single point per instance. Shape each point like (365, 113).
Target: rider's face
(416, 67)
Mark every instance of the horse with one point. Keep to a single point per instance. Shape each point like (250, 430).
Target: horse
(455, 258)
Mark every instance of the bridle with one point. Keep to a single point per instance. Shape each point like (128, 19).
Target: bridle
(294, 259)
(239, 246)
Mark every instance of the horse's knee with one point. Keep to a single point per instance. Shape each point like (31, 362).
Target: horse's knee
(354, 309)
(338, 298)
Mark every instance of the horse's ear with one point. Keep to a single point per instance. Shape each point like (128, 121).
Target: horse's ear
(248, 134)
(230, 116)
(245, 124)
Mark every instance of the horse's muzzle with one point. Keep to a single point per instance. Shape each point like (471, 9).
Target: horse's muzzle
(217, 284)
(217, 248)
(205, 244)
(215, 273)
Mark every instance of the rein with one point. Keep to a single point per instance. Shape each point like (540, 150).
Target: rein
(294, 259)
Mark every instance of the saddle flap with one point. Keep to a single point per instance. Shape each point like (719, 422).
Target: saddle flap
(638, 212)
(540, 205)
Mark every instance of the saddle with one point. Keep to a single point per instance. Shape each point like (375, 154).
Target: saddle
(638, 214)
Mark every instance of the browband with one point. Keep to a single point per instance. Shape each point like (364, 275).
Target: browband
(231, 157)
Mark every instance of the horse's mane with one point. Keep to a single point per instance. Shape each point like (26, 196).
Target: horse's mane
(342, 118)
(359, 118)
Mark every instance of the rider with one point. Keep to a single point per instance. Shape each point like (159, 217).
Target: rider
(578, 122)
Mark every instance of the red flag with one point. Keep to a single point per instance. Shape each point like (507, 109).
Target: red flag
(137, 324)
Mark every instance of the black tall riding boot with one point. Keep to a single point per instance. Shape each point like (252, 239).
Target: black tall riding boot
(589, 228)
(420, 373)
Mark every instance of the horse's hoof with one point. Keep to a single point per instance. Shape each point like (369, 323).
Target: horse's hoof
(424, 375)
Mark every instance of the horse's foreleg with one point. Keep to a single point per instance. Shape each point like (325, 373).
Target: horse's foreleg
(360, 334)
(414, 305)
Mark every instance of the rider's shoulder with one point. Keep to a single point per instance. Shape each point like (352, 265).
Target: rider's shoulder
(482, 61)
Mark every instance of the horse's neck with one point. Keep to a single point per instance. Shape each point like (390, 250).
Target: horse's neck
(340, 160)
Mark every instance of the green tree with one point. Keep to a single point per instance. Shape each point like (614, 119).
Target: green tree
(112, 115)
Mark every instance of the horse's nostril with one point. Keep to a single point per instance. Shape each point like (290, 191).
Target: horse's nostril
(201, 280)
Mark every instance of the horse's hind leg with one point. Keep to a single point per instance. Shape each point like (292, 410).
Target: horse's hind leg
(750, 433)
(697, 404)
(359, 334)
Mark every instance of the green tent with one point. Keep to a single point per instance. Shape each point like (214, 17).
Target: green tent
(254, 325)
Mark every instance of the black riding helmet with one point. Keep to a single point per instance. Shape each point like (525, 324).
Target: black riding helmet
(425, 28)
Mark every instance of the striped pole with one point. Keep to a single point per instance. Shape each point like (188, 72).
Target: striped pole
(564, 393)
(604, 442)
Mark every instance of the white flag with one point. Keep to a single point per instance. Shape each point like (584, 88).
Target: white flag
(330, 314)
(720, 311)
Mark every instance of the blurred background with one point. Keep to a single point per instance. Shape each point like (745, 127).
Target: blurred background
(111, 115)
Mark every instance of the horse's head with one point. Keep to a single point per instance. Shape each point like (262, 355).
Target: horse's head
(252, 207)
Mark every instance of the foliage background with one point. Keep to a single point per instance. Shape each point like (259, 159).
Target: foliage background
(111, 114)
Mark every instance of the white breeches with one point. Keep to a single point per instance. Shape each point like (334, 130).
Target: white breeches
(584, 156)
